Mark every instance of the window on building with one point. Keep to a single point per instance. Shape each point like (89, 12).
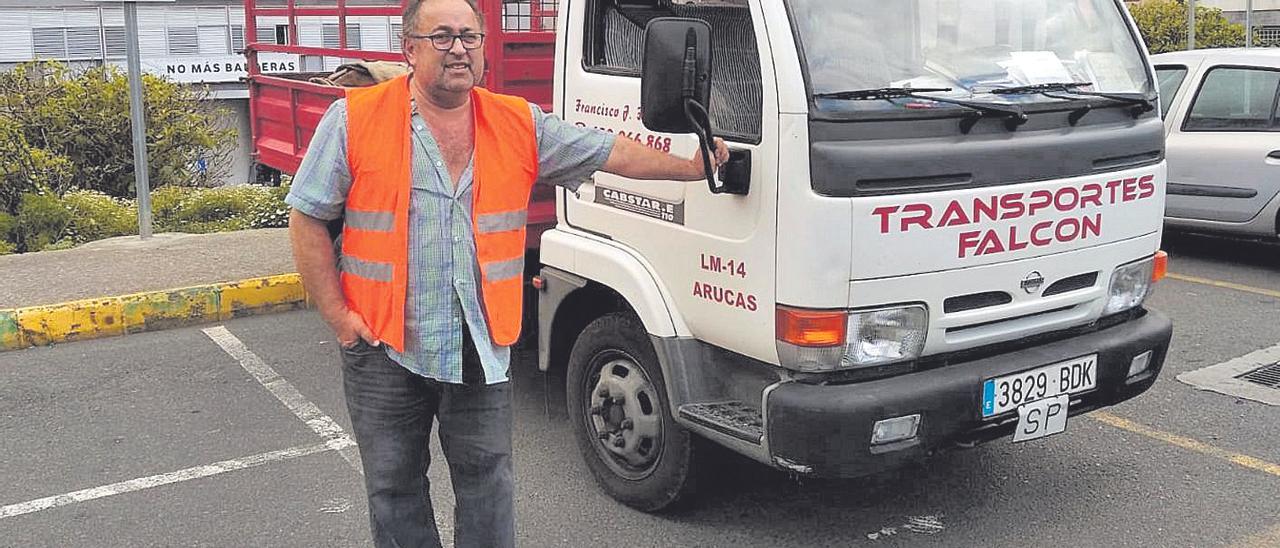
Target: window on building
(397, 29)
(49, 42)
(84, 43)
(273, 34)
(213, 40)
(116, 42)
(183, 40)
(1235, 99)
(329, 38)
(237, 38)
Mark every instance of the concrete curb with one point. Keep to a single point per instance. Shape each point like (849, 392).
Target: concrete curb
(149, 311)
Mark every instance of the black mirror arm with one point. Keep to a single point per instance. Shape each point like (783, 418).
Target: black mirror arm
(700, 120)
(701, 123)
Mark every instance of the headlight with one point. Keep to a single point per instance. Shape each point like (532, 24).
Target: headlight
(1130, 284)
(885, 336)
(826, 340)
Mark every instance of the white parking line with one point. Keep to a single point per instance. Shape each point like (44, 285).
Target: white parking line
(171, 477)
(321, 423)
(284, 391)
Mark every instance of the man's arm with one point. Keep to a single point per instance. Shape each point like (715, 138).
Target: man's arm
(314, 258)
(636, 161)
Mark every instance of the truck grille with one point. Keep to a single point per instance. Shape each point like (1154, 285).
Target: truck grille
(1073, 283)
(975, 301)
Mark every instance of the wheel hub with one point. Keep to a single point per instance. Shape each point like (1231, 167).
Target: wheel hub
(623, 411)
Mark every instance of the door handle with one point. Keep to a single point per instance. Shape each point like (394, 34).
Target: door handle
(1273, 158)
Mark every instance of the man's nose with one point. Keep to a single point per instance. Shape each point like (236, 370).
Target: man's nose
(456, 47)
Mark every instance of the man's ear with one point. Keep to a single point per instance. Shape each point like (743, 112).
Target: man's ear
(407, 49)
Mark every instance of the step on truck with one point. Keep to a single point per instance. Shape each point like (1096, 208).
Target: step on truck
(938, 226)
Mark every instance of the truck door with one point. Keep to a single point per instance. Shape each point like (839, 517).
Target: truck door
(713, 253)
(1224, 149)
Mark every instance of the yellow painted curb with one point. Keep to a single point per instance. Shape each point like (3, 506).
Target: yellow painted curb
(150, 311)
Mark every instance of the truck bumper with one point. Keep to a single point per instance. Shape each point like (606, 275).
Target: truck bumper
(825, 430)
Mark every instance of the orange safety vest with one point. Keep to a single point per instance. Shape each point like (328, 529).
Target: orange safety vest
(375, 238)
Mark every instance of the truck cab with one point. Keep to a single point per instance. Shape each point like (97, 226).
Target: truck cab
(938, 226)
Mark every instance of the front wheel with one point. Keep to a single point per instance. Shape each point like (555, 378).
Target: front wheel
(621, 415)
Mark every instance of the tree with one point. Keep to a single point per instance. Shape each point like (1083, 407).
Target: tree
(81, 119)
(1163, 24)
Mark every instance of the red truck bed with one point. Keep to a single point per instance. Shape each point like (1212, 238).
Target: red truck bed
(285, 108)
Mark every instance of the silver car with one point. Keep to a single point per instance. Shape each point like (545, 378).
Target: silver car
(1222, 118)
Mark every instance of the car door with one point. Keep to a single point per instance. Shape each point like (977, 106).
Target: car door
(1223, 147)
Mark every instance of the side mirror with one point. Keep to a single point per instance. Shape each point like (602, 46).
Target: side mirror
(675, 85)
(677, 66)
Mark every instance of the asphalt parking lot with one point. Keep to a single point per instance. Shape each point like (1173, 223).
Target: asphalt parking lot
(237, 435)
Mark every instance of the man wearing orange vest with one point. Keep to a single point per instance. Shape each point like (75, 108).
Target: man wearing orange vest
(431, 176)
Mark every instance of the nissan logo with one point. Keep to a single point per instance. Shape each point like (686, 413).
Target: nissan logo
(1031, 282)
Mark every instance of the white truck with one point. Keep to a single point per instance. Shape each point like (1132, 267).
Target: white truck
(938, 227)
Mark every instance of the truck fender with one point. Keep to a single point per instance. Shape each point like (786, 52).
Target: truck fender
(573, 263)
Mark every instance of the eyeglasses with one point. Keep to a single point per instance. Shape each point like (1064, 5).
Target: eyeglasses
(444, 41)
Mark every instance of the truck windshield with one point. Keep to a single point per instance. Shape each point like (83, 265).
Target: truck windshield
(969, 47)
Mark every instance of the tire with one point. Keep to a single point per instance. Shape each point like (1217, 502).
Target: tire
(651, 469)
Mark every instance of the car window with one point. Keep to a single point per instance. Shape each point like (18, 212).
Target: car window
(1235, 99)
(1170, 78)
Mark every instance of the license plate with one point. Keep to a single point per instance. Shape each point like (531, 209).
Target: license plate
(1003, 394)
(1042, 418)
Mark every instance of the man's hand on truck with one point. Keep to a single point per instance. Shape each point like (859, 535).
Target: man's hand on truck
(636, 161)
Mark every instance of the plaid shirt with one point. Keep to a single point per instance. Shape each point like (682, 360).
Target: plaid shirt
(442, 291)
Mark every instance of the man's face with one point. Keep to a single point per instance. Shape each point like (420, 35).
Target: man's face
(456, 70)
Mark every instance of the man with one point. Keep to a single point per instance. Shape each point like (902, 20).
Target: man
(432, 176)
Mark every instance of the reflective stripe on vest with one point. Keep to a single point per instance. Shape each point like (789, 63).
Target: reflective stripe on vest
(502, 222)
(374, 265)
(379, 272)
(380, 221)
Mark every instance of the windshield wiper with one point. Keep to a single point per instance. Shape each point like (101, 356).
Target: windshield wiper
(1040, 88)
(878, 93)
(1141, 104)
(1013, 115)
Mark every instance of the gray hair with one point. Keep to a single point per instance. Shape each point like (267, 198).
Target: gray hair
(411, 9)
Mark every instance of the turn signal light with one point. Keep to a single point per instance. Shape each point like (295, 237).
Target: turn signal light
(811, 328)
(1161, 266)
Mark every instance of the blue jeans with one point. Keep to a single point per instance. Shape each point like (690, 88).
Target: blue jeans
(392, 411)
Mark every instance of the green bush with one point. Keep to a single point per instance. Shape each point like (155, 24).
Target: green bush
(41, 220)
(1163, 24)
(24, 168)
(80, 119)
(219, 209)
(47, 222)
(165, 203)
(272, 212)
(95, 216)
(7, 223)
